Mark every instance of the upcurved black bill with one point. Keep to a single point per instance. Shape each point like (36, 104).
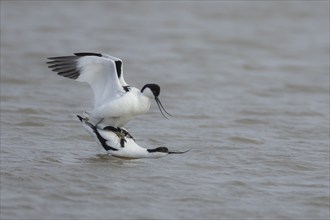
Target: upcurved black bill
(178, 152)
(161, 108)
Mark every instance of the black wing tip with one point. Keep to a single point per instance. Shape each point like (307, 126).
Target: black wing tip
(58, 58)
(79, 54)
(82, 54)
(71, 75)
(66, 65)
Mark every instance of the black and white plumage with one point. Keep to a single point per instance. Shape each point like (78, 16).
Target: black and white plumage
(119, 143)
(115, 102)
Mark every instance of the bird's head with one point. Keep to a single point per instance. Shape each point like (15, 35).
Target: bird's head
(163, 151)
(153, 91)
(158, 152)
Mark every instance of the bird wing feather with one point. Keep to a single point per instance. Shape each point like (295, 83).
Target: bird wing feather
(102, 72)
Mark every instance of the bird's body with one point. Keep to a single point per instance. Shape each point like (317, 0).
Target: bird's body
(118, 112)
(115, 102)
(119, 143)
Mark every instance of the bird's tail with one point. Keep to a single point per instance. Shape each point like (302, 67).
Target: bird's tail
(89, 127)
(80, 118)
(92, 130)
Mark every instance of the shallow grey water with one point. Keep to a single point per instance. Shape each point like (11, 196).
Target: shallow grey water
(248, 83)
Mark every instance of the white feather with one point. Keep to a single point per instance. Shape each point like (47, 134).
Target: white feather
(100, 73)
(115, 103)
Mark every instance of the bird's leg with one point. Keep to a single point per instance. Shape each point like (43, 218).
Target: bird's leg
(119, 132)
(121, 135)
(126, 133)
(97, 124)
(122, 142)
(86, 114)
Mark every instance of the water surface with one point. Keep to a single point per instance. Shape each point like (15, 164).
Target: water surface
(247, 82)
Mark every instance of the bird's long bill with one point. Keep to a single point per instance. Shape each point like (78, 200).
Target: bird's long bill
(178, 152)
(161, 108)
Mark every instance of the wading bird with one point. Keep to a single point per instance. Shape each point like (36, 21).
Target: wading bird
(115, 102)
(119, 143)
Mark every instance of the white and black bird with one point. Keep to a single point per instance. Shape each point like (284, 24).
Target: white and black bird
(115, 102)
(119, 143)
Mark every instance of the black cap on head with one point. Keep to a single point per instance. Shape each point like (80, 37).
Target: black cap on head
(165, 150)
(156, 91)
(158, 149)
(153, 87)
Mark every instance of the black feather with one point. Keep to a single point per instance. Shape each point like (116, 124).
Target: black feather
(88, 54)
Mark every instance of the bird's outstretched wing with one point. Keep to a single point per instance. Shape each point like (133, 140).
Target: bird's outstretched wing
(102, 72)
(119, 69)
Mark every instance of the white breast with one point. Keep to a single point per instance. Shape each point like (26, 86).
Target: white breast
(123, 109)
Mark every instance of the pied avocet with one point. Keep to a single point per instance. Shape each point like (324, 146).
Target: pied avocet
(115, 102)
(119, 143)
